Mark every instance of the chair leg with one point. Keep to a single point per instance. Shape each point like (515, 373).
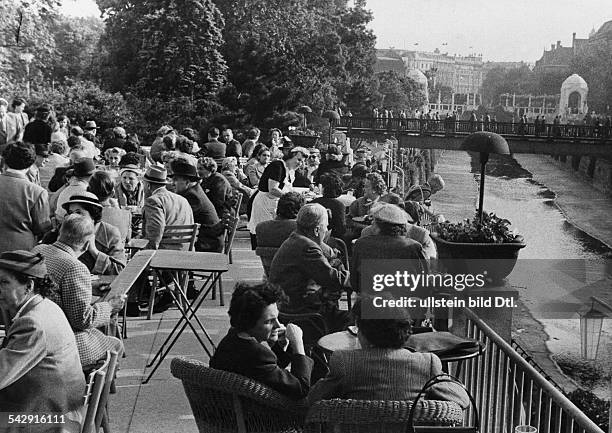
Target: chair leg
(221, 291)
(231, 259)
(124, 322)
(152, 297)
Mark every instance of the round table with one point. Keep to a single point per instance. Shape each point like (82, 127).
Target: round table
(345, 340)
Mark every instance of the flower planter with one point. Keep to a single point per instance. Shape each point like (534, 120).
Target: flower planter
(495, 260)
(304, 140)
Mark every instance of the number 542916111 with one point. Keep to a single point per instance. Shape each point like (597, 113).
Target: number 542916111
(39, 418)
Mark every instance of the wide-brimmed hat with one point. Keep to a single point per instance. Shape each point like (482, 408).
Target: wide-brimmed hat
(389, 213)
(85, 197)
(90, 124)
(24, 262)
(157, 175)
(182, 168)
(130, 167)
(83, 167)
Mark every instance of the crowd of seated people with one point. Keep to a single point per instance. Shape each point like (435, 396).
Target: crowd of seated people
(66, 189)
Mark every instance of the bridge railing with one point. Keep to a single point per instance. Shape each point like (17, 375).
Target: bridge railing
(509, 391)
(446, 126)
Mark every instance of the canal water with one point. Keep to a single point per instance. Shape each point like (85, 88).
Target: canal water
(512, 193)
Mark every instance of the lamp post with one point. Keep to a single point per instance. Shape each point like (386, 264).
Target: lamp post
(485, 143)
(27, 59)
(591, 323)
(332, 116)
(303, 110)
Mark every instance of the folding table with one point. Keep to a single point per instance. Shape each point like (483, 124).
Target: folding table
(174, 262)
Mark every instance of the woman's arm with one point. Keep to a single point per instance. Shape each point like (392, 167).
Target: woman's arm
(26, 347)
(273, 188)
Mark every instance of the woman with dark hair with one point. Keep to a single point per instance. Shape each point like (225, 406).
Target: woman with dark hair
(274, 232)
(383, 369)
(255, 167)
(40, 370)
(272, 185)
(105, 256)
(102, 185)
(332, 189)
(256, 344)
(249, 144)
(24, 213)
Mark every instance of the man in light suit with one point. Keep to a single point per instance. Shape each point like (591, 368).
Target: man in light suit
(162, 208)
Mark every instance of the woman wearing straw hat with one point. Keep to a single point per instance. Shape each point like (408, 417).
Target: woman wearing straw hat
(40, 371)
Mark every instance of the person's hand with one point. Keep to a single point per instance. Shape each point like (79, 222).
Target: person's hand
(117, 302)
(295, 336)
(91, 247)
(280, 337)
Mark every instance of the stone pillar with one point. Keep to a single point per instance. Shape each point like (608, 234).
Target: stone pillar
(453, 101)
(514, 99)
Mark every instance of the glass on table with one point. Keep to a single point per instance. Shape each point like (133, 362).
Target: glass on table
(525, 429)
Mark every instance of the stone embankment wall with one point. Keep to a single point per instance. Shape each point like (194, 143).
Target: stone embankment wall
(596, 170)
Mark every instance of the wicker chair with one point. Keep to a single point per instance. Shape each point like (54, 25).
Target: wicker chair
(226, 402)
(372, 416)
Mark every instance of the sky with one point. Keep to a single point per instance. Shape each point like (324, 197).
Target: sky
(500, 30)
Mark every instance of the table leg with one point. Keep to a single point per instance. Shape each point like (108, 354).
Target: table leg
(163, 351)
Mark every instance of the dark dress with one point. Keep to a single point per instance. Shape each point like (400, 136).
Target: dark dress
(219, 191)
(337, 223)
(276, 171)
(256, 361)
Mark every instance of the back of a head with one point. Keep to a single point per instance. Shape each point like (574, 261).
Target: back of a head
(332, 185)
(76, 230)
(213, 132)
(130, 158)
(19, 156)
(249, 301)
(310, 216)
(289, 205)
(102, 185)
(436, 183)
(73, 141)
(253, 134)
(391, 332)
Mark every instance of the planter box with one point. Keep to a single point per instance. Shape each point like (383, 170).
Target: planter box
(306, 141)
(494, 260)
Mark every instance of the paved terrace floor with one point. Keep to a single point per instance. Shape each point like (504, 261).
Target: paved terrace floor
(161, 405)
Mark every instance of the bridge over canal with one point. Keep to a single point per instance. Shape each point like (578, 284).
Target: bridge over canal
(547, 139)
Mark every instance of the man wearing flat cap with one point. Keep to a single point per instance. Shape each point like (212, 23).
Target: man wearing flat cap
(38, 131)
(162, 208)
(389, 243)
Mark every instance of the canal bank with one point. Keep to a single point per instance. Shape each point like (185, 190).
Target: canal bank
(551, 208)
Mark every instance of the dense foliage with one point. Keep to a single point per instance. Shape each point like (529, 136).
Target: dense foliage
(492, 230)
(594, 64)
(397, 92)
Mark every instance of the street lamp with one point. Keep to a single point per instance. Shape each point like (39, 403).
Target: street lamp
(304, 110)
(591, 323)
(485, 143)
(332, 116)
(27, 59)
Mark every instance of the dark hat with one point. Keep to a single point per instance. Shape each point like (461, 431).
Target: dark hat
(90, 124)
(182, 168)
(83, 167)
(41, 149)
(86, 197)
(44, 108)
(24, 262)
(156, 174)
(332, 149)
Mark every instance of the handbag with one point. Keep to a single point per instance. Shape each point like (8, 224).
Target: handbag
(441, 378)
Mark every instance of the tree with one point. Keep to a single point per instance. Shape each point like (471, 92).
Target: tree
(180, 54)
(594, 64)
(282, 54)
(521, 81)
(399, 93)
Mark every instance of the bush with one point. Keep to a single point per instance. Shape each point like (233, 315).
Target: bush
(82, 101)
(592, 406)
(492, 230)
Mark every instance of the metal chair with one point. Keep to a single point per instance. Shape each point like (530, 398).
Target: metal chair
(228, 402)
(378, 416)
(96, 395)
(179, 236)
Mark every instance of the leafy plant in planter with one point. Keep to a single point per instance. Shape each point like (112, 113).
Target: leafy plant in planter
(492, 230)
(472, 247)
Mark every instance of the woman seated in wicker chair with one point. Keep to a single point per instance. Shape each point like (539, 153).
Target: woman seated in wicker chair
(383, 369)
(257, 344)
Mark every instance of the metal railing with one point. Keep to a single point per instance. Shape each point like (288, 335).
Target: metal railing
(459, 127)
(510, 392)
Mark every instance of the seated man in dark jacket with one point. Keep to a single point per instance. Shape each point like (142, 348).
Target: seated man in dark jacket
(257, 346)
(311, 280)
